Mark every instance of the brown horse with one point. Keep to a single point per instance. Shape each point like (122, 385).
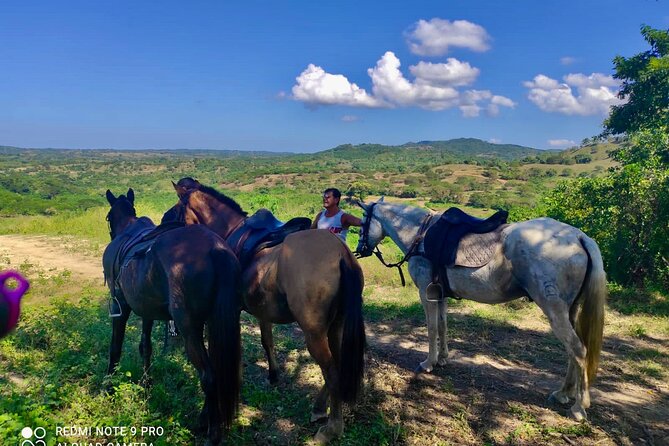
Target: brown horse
(311, 278)
(187, 274)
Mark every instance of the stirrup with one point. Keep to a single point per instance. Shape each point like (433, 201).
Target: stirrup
(172, 329)
(434, 292)
(114, 307)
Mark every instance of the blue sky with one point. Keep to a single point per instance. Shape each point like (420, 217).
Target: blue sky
(305, 76)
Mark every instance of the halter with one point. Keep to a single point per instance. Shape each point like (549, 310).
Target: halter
(367, 251)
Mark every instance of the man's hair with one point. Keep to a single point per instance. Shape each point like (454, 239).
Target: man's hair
(335, 192)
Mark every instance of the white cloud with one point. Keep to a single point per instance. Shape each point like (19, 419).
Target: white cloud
(560, 142)
(315, 86)
(452, 73)
(595, 94)
(437, 36)
(567, 60)
(433, 88)
(350, 118)
(595, 80)
(495, 140)
(391, 85)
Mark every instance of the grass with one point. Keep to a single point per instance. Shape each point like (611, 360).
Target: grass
(52, 368)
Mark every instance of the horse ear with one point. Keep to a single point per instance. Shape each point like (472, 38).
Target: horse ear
(381, 199)
(182, 191)
(131, 196)
(111, 199)
(359, 203)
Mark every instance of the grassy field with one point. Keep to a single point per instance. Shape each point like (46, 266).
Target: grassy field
(503, 363)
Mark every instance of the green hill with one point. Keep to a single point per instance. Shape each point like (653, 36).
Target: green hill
(454, 150)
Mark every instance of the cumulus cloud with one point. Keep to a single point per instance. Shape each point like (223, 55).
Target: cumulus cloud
(434, 88)
(594, 94)
(495, 140)
(436, 36)
(560, 142)
(452, 73)
(391, 86)
(315, 86)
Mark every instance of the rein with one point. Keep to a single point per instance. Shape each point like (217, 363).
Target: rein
(410, 252)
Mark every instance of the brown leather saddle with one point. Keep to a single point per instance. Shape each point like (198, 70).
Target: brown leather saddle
(460, 239)
(262, 230)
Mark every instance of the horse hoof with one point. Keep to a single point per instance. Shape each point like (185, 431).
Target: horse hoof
(318, 416)
(422, 369)
(558, 398)
(578, 413)
(325, 434)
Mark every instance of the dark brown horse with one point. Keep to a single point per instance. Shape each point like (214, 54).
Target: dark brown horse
(311, 278)
(187, 274)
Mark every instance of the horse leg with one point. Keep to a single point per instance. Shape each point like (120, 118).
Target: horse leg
(267, 339)
(197, 355)
(145, 347)
(320, 409)
(442, 324)
(320, 351)
(568, 389)
(558, 316)
(118, 333)
(432, 318)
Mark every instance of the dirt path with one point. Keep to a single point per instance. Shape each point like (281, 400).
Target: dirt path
(48, 255)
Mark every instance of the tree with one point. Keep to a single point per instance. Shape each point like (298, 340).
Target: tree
(627, 210)
(645, 85)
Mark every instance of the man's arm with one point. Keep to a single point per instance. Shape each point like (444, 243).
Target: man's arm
(350, 220)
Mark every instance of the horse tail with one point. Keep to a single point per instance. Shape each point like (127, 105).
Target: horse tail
(225, 346)
(590, 321)
(352, 351)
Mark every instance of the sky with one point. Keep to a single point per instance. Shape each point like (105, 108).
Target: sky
(308, 76)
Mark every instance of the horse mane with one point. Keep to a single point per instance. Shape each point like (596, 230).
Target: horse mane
(407, 211)
(223, 199)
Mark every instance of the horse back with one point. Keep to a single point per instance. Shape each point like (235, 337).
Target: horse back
(298, 278)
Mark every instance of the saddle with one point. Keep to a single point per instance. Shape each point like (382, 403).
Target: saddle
(135, 242)
(262, 230)
(460, 239)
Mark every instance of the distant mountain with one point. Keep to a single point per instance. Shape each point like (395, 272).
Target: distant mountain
(461, 148)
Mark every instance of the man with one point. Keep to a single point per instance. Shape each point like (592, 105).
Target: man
(332, 218)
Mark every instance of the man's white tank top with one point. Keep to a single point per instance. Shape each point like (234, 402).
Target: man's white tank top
(333, 224)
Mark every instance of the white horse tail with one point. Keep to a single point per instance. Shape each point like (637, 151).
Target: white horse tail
(590, 321)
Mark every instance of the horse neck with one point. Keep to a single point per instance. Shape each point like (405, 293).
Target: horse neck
(218, 217)
(124, 224)
(400, 223)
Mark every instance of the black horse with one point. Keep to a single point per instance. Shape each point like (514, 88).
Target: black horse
(187, 274)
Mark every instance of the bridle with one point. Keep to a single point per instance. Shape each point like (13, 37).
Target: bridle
(367, 251)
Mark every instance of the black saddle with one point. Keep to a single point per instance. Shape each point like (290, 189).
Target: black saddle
(443, 238)
(262, 230)
(132, 243)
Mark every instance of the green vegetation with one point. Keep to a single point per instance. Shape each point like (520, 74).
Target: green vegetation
(627, 209)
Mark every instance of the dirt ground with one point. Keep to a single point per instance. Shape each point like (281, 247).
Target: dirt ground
(494, 388)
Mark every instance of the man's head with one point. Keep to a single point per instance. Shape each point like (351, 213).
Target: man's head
(331, 197)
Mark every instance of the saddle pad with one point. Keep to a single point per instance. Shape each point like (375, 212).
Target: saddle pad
(476, 250)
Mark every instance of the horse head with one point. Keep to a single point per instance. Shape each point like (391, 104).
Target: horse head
(122, 211)
(372, 231)
(200, 204)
